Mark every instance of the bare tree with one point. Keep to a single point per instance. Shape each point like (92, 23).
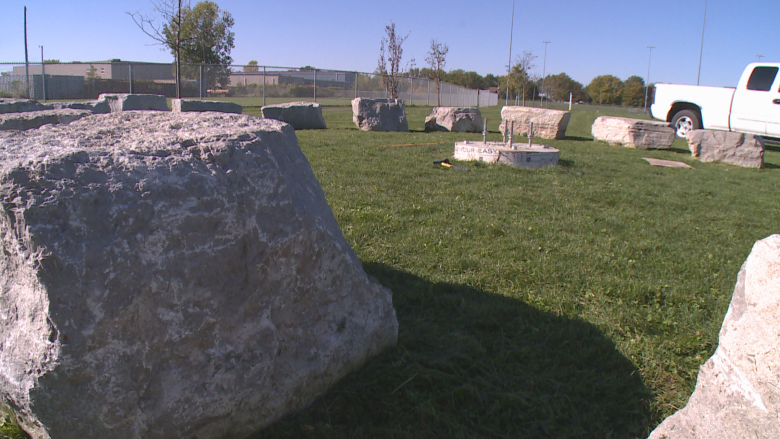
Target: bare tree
(392, 44)
(437, 60)
(170, 14)
(520, 73)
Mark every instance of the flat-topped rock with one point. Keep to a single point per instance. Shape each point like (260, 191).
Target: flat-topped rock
(519, 155)
(454, 119)
(379, 114)
(548, 124)
(96, 107)
(21, 105)
(739, 149)
(737, 393)
(196, 105)
(173, 275)
(118, 102)
(36, 119)
(301, 115)
(633, 133)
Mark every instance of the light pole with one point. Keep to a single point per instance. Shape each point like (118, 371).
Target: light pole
(509, 66)
(704, 21)
(647, 83)
(759, 57)
(544, 66)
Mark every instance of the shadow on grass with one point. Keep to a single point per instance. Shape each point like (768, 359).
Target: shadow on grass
(473, 364)
(579, 138)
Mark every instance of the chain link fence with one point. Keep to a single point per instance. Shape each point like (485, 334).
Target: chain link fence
(249, 85)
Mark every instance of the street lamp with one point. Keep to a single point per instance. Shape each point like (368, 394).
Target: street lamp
(759, 57)
(509, 66)
(647, 83)
(702, 41)
(544, 65)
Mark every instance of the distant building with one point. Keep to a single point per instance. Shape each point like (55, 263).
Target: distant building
(325, 78)
(111, 69)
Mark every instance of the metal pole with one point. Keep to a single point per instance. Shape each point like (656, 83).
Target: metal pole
(200, 81)
(759, 57)
(428, 94)
(544, 68)
(509, 66)
(43, 74)
(263, 86)
(356, 84)
(315, 85)
(647, 84)
(26, 61)
(411, 90)
(571, 98)
(130, 76)
(704, 21)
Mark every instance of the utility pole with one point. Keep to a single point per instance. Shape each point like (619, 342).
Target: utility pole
(544, 67)
(759, 57)
(647, 83)
(509, 66)
(26, 60)
(704, 21)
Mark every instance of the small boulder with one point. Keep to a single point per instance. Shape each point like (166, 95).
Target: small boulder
(301, 115)
(454, 119)
(96, 107)
(379, 114)
(22, 105)
(173, 275)
(739, 149)
(633, 133)
(196, 105)
(36, 119)
(737, 393)
(548, 124)
(119, 102)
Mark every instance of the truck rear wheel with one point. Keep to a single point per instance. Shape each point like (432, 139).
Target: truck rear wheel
(684, 121)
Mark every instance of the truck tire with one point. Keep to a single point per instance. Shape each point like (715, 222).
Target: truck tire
(684, 121)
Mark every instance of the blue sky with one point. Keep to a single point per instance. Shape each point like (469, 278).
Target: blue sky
(588, 37)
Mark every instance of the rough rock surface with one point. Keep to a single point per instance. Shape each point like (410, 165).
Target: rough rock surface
(96, 107)
(195, 105)
(173, 275)
(634, 133)
(548, 124)
(379, 114)
(301, 115)
(21, 105)
(36, 119)
(738, 149)
(454, 119)
(737, 393)
(118, 102)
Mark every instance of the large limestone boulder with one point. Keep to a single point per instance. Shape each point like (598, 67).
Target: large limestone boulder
(196, 105)
(301, 115)
(738, 149)
(173, 275)
(379, 114)
(737, 393)
(454, 119)
(634, 133)
(36, 119)
(96, 107)
(21, 105)
(119, 102)
(548, 124)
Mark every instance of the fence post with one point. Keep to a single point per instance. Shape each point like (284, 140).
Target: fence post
(411, 90)
(43, 75)
(315, 85)
(263, 86)
(200, 81)
(428, 94)
(130, 76)
(356, 84)
(571, 98)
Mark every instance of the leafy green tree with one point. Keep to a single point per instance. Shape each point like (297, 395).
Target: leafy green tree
(561, 85)
(633, 91)
(251, 67)
(605, 89)
(520, 80)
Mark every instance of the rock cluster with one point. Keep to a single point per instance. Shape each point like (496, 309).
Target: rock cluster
(21, 106)
(36, 119)
(173, 275)
(738, 149)
(196, 105)
(379, 114)
(634, 133)
(128, 102)
(454, 119)
(548, 124)
(301, 115)
(737, 393)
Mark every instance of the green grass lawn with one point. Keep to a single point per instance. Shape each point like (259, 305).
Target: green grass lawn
(532, 303)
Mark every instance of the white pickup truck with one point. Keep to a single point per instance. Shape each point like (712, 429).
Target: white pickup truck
(753, 107)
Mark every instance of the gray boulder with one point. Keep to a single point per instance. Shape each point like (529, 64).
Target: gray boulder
(634, 133)
(37, 119)
(737, 393)
(96, 107)
(195, 105)
(21, 105)
(454, 119)
(548, 124)
(301, 115)
(739, 149)
(379, 114)
(118, 102)
(173, 275)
